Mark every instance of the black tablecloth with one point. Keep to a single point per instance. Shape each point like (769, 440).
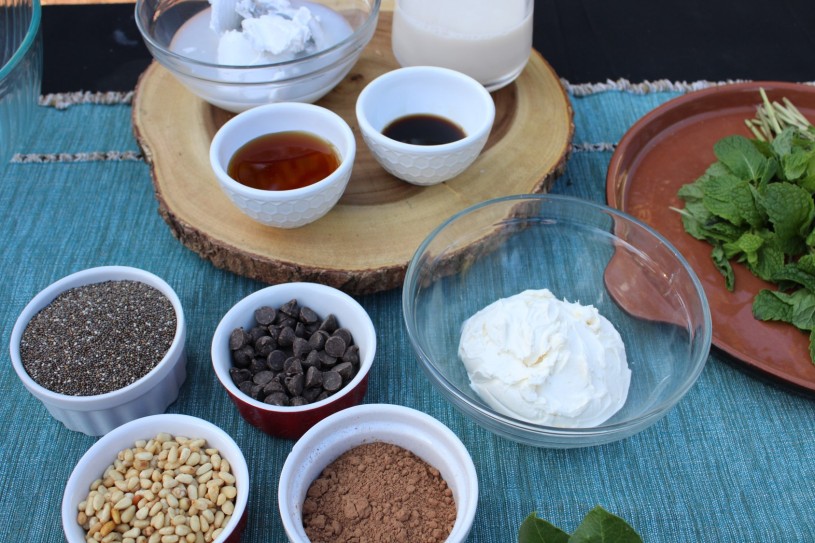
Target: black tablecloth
(98, 47)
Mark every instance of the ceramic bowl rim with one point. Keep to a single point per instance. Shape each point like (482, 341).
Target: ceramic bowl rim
(364, 103)
(310, 446)
(85, 277)
(237, 462)
(325, 115)
(247, 305)
(349, 41)
(607, 431)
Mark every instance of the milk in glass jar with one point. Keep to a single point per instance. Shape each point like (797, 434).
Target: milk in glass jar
(489, 40)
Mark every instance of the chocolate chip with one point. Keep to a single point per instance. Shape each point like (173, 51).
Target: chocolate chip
(286, 337)
(238, 338)
(312, 361)
(243, 356)
(352, 355)
(265, 345)
(290, 308)
(273, 386)
(335, 346)
(308, 316)
(257, 365)
(329, 324)
(284, 320)
(300, 330)
(287, 357)
(346, 371)
(292, 366)
(294, 384)
(301, 347)
(262, 378)
(257, 332)
(345, 334)
(326, 360)
(317, 339)
(314, 378)
(265, 315)
(276, 359)
(246, 387)
(277, 398)
(332, 381)
(311, 394)
(239, 375)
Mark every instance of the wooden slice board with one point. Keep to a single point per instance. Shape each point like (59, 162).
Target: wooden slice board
(364, 244)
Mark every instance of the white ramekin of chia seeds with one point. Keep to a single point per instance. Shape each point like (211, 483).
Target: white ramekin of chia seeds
(101, 347)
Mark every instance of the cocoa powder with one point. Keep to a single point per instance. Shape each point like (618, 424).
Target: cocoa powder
(377, 493)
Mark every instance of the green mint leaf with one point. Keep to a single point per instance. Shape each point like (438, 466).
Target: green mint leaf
(770, 257)
(748, 244)
(795, 274)
(803, 309)
(795, 164)
(723, 265)
(791, 210)
(600, 526)
(722, 193)
(537, 530)
(797, 308)
(741, 157)
(807, 263)
(812, 346)
(767, 306)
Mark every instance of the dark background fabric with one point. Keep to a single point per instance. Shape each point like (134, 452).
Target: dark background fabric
(98, 48)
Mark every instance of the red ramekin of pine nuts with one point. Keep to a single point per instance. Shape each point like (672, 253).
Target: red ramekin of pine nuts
(159, 479)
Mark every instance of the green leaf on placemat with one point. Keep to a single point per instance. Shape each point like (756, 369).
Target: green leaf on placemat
(598, 526)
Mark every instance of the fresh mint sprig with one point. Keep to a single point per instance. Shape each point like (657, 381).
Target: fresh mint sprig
(598, 526)
(755, 206)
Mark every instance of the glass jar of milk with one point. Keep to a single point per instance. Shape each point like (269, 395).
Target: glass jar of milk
(489, 40)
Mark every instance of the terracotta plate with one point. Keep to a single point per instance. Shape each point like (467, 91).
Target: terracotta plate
(672, 146)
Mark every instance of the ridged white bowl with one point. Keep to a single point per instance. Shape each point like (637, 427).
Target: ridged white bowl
(425, 90)
(408, 428)
(99, 414)
(102, 453)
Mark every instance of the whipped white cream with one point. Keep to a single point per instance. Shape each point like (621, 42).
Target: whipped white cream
(546, 361)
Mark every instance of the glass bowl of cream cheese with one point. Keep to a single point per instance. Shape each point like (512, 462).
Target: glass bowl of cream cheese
(555, 321)
(238, 54)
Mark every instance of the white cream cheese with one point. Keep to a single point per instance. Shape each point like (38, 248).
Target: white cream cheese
(546, 361)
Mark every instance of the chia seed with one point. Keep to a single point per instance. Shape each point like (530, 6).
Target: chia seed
(98, 338)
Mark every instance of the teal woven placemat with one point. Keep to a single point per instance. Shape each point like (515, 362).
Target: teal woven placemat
(734, 461)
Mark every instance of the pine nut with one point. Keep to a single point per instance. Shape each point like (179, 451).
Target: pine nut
(165, 490)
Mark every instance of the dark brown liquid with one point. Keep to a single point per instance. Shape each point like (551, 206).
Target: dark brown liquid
(283, 161)
(424, 129)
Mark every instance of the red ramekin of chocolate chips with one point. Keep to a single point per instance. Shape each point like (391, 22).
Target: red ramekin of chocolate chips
(101, 347)
(292, 354)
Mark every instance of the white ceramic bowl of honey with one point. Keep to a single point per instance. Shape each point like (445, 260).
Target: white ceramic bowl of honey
(284, 165)
(425, 124)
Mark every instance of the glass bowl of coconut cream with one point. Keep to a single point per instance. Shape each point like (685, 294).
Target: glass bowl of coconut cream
(238, 54)
(554, 321)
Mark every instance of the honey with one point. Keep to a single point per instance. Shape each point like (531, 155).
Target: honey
(283, 161)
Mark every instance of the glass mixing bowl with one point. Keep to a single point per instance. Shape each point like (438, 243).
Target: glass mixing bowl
(21, 72)
(583, 252)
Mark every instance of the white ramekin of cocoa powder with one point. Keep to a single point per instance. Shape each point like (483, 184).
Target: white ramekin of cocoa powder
(378, 468)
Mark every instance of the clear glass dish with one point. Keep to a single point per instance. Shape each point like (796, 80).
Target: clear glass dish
(580, 251)
(21, 72)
